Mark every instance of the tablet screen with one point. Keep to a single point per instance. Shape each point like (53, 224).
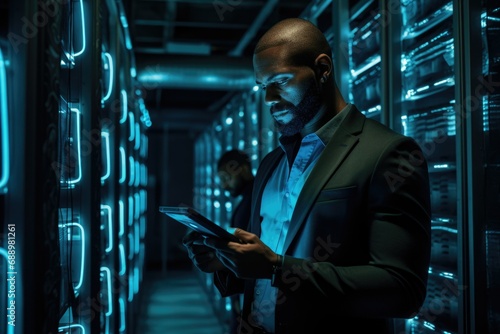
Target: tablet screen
(196, 221)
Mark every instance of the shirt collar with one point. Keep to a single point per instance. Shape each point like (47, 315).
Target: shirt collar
(290, 144)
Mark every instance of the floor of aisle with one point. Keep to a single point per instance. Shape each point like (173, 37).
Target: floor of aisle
(175, 303)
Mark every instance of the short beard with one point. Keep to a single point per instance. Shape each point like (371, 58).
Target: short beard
(302, 113)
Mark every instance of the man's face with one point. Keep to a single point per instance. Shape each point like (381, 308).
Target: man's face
(292, 92)
(231, 178)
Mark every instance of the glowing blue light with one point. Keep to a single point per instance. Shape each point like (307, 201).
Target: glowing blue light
(107, 158)
(131, 118)
(123, 20)
(229, 120)
(124, 106)
(121, 217)
(111, 75)
(130, 210)
(131, 286)
(229, 206)
(137, 179)
(123, 165)
(144, 200)
(71, 328)
(142, 222)
(255, 88)
(216, 192)
(137, 239)
(254, 142)
(144, 146)
(78, 177)
(137, 143)
(441, 166)
(82, 265)
(216, 204)
(83, 31)
(107, 272)
(136, 280)
(123, 260)
(4, 126)
(137, 205)
(107, 211)
(144, 175)
(447, 275)
(366, 35)
(133, 72)
(374, 61)
(132, 170)
(121, 302)
(444, 228)
(131, 244)
(429, 325)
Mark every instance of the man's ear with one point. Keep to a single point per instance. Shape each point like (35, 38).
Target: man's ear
(324, 66)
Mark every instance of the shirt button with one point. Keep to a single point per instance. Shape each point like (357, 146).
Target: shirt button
(257, 292)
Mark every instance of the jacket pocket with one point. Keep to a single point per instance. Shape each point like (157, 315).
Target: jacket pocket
(336, 193)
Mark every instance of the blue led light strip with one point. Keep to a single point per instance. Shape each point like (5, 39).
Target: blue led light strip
(131, 180)
(122, 315)
(105, 139)
(83, 31)
(111, 76)
(137, 173)
(130, 210)
(123, 165)
(82, 266)
(124, 106)
(4, 123)
(137, 143)
(109, 216)
(137, 205)
(110, 290)
(131, 118)
(121, 206)
(78, 149)
(70, 328)
(123, 260)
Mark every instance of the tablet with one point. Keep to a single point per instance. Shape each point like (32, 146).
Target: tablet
(196, 221)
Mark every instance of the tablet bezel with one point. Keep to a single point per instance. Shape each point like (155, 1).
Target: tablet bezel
(191, 218)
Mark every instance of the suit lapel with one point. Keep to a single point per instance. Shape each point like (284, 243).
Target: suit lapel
(335, 152)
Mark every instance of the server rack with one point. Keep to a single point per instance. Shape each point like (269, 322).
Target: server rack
(74, 168)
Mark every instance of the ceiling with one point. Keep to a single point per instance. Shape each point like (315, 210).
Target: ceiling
(193, 56)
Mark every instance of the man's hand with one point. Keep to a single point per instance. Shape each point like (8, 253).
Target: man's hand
(203, 257)
(249, 259)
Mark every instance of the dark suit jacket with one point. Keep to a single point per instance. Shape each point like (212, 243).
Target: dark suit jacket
(358, 247)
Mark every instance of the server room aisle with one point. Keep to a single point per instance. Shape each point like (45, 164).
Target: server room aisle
(175, 303)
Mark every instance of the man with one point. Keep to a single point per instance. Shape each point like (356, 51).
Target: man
(339, 238)
(234, 169)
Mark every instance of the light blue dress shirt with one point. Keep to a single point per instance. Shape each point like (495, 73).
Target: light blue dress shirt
(278, 202)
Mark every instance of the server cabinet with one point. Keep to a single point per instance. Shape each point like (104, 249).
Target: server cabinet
(75, 191)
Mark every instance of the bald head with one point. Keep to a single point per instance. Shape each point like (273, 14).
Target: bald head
(302, 38)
